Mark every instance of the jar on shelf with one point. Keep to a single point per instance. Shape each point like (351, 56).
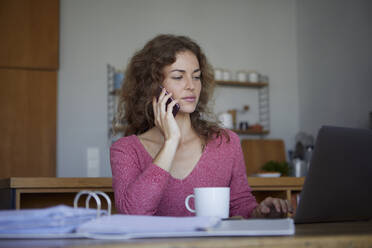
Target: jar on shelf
(241, 76)
(253, 77)
(218, 74)
(226, 75)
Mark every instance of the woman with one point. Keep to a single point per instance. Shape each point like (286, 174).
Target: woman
(164, 157)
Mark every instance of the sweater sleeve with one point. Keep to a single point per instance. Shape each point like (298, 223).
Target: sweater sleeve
(137, 187)
(242, 202)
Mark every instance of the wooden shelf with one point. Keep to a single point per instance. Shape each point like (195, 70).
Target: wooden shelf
(276, 183)
(251, 132)
(242, 84)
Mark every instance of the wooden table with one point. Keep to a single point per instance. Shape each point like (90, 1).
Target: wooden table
(347, 234)
(20, 193)
(28, 192)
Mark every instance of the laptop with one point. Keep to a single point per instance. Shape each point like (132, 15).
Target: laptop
(338, 185)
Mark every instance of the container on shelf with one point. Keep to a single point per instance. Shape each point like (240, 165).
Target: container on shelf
(253, 77)
(241, 76)
(218, 74)
(226, 75)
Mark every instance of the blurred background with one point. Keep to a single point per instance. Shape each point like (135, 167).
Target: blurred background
(316, 56)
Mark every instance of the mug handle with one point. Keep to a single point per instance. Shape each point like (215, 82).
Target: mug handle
(187, 203)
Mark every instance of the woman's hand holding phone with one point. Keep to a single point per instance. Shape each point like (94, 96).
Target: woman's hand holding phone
(163, 116)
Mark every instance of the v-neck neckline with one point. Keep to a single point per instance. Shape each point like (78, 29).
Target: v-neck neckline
(176, 179)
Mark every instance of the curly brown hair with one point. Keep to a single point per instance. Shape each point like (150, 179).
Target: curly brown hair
(144, 75)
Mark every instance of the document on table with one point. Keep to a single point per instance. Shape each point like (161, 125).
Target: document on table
(110, 228)
(67, 222)
(47, 222)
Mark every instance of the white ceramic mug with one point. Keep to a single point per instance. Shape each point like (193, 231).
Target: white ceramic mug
(210, 201)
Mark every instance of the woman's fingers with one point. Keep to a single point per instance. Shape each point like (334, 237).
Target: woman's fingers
(276, 207)
(163, 101)
(163, 116)
(263, 208)
(159, 104)
(154, 107)
(280, 205)
(162, 94)
(170, 107)
(283, 206)
(272, 202)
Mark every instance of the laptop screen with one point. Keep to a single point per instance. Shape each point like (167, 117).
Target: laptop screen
(338, 184)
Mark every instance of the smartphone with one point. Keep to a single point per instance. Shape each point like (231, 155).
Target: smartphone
(176, 107)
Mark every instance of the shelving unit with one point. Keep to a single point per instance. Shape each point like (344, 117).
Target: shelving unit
(263, 105)
(111, 108)
(112, 103)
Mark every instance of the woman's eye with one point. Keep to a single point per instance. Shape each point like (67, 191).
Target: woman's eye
(197, 77)
(177, 78)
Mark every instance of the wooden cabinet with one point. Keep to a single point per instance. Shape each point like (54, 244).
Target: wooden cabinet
(259, 151)
(29, 40)
(29, 34)
(28, 126)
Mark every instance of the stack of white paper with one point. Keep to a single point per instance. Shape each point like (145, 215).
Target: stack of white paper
(138, 224)
(115, 227)
(55, 220)
(66, 222)
(255, 227)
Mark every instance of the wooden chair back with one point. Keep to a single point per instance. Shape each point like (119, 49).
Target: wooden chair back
(259, 151)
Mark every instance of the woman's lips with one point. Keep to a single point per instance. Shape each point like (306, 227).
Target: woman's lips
(189, 99)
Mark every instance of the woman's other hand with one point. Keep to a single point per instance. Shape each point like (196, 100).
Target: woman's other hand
(164, 119)
(273, 208)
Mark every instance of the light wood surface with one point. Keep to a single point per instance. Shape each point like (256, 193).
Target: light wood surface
(278, 183)
(56, 182)
(28, 122)
(29, 34)
(38, 192)
(259, 151)
(106, 182)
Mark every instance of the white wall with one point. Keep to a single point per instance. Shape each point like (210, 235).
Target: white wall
(237, 34)
(334, 63)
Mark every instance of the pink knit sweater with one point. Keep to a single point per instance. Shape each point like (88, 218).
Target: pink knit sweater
(143, 188)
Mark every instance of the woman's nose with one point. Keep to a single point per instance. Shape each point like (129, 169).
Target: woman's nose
(190, 83)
